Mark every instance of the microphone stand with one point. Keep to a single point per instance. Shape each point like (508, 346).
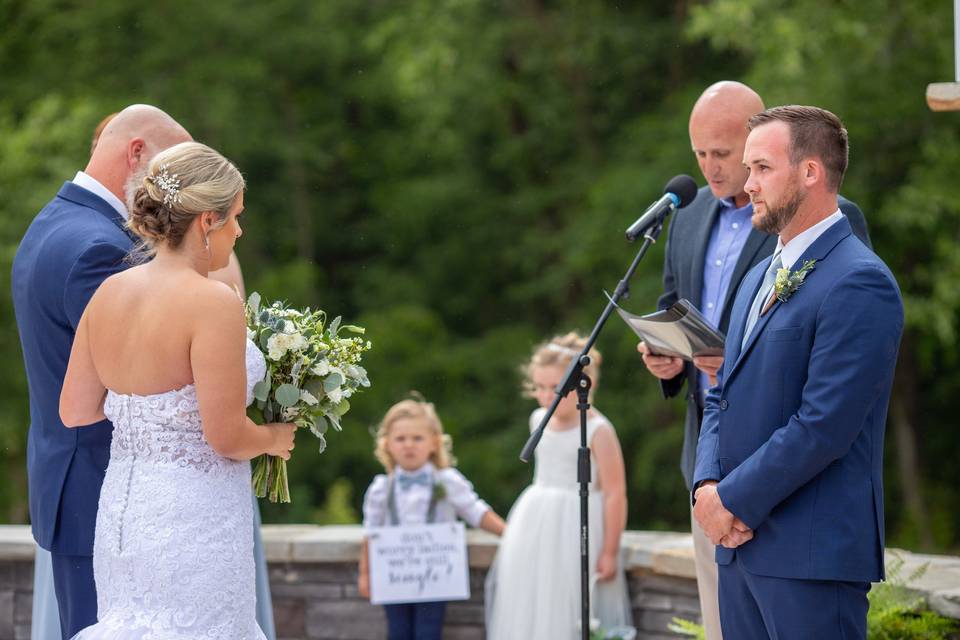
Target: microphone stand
(575, 378)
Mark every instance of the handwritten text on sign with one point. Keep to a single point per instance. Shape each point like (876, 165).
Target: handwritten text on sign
(418, 563)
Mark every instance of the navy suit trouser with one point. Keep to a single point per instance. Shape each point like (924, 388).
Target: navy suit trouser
(76, 592)
(754, 607)
(420, 621)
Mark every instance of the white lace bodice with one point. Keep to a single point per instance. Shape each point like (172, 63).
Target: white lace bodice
(173, 551)
(165, 427)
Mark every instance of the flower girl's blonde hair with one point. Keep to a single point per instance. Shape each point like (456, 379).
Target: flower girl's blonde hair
(415, 408)
(559, 351)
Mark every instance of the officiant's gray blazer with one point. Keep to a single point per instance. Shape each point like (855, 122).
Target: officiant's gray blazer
(686, 249)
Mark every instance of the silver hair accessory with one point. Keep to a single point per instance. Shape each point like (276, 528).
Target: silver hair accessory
(169, 184)
(567, 351)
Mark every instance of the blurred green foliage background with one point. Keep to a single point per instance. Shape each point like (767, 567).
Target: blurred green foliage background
(456, 175)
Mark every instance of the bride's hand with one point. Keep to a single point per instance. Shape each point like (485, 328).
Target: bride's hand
(282, 443)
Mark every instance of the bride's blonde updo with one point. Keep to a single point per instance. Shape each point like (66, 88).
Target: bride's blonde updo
(181, 183)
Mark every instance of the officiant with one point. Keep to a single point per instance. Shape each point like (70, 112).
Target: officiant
(711, 245)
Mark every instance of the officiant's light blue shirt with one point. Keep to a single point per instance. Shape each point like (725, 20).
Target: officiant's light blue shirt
(729, 234)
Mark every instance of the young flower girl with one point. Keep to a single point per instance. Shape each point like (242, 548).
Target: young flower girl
(534, 586)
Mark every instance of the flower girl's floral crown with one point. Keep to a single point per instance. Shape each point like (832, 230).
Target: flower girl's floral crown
(169, 184)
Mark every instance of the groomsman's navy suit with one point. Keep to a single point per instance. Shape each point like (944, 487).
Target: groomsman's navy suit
(73, 245)
(794, 432)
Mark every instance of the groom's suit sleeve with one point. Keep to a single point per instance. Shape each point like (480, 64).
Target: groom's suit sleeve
(95, 264)
(708, 446)
(857, 335)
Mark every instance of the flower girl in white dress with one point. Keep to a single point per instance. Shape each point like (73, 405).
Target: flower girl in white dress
(161, 351)
(533, 590)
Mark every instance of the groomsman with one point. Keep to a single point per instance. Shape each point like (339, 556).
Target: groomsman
(788, 479)
(710, 247)
(74, 243)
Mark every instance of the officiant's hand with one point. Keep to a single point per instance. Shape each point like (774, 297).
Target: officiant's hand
(710, 365)
(663, 367)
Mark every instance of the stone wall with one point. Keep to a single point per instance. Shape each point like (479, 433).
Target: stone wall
(313, 576)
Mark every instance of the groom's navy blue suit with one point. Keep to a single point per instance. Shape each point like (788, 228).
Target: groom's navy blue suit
(794, 432)
(73, 245)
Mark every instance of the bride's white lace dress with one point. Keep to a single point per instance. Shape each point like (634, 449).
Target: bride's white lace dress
(173, 553)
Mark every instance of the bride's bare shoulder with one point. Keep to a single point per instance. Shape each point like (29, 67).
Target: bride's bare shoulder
(214, 300)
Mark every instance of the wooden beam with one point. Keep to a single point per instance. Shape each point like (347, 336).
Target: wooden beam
(943, 96)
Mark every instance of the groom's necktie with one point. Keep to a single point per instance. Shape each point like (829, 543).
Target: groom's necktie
(762, 296)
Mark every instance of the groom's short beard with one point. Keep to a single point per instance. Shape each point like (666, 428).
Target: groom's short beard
(134, 181)
(779, 216)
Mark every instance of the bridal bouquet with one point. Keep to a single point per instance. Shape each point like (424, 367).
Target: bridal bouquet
(312, 371)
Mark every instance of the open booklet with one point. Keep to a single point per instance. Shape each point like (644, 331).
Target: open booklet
(679, 331)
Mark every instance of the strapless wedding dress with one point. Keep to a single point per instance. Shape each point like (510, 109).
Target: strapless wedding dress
(173, 553)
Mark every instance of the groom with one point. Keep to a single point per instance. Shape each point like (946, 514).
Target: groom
(788, 480)
(73, 244)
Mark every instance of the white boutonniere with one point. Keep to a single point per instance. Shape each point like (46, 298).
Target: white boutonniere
(787, 282)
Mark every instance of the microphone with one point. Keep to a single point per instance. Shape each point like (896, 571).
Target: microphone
(679, 192)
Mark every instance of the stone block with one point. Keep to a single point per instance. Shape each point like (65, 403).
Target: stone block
(465, 613)
(652, 600)
(345, 620)
(307, 591)
(654, 621)
(23, 576)
(662, 584)
(289, 617)
(6, 614)
(457, 632)
(22, 607)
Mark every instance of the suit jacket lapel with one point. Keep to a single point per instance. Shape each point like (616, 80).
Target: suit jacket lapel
(79, 195)
(700, 240)
(819, 250)
(756, 243)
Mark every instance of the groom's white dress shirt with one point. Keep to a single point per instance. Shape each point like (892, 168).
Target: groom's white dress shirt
(93, 186)
(791, 252)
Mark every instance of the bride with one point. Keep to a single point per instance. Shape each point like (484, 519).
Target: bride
(161, 351)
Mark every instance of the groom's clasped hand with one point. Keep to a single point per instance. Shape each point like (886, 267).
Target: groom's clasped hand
(721, 526)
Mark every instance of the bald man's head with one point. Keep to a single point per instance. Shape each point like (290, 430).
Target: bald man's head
(129, 142)
(718, 131)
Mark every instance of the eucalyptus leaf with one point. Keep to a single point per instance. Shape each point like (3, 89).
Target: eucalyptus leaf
(268, 412)
(287, 395)
(332, 381)
(264, 337)
(342, 407)
(323, 443)
(261, 390)
(320, 426)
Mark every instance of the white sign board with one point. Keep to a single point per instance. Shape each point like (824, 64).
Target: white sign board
(418, 563)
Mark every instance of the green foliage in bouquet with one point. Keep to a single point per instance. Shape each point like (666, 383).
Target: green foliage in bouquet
(312, 371)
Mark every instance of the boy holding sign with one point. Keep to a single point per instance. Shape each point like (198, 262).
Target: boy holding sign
(420, 488)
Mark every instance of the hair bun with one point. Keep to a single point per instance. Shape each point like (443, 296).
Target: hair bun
(149, 218)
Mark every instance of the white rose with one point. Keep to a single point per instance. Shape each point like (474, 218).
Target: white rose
(322, 368)
(336, 395)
